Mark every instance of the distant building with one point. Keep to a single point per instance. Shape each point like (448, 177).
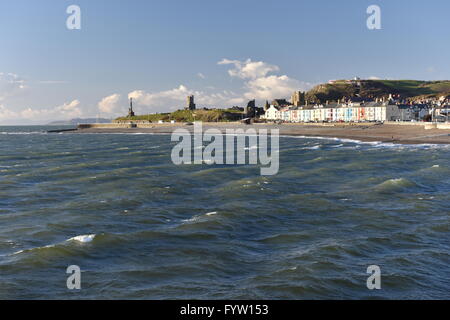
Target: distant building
(251, 104)
(273, 113)
(190, 105)
(280, 103)
(351, 112)
(266, 106)
(298, 98)
(130, 110)
(249, 108)
(252, 111)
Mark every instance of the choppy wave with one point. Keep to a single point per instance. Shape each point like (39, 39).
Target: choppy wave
(395, 184)
(79, 239)
(83, 238)
(200, 217)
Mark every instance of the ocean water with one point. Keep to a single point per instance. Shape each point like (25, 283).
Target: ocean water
(140, 227)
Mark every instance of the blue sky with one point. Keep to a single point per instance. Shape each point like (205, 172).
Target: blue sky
(160, 51)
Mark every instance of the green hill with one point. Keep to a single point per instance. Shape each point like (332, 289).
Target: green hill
(205, 115)
(378, 89)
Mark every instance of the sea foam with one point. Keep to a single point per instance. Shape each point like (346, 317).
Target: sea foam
(83, 238)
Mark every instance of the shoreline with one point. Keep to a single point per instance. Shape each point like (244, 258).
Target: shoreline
(384, 133)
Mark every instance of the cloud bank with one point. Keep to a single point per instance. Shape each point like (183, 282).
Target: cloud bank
(67, 110)
(110, 104)
(259, 83)
(256, 80)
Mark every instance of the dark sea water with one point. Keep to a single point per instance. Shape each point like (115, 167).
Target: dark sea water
(220, 232)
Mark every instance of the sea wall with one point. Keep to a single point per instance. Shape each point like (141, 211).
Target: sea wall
(123, 125)
(104, 125)
(143, 124)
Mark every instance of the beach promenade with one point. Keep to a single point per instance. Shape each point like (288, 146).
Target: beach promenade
(395, 133)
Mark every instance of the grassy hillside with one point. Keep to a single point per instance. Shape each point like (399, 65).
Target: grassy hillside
(189, 116)
(378, 89)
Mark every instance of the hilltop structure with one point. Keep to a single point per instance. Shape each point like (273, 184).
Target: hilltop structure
(298, 98)
(130, 110)
(280, 103)
(252, 111)
(190, 105)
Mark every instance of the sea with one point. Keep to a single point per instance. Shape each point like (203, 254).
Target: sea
(140, 227)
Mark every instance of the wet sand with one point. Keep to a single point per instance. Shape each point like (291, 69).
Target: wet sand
(403, 134)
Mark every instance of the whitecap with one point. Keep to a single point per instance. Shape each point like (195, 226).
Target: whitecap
(193, 219)
(83, 238)
(316, 147)
(32, 249)
(199, 217)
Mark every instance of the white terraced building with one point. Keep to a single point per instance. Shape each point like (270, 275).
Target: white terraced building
(353, 112)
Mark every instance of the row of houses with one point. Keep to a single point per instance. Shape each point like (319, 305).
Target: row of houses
(351, 112)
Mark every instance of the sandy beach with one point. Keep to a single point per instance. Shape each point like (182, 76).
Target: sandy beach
(403, 134)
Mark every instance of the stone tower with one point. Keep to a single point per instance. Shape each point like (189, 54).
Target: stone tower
(130, 110)
(298, 98)
(190, 105)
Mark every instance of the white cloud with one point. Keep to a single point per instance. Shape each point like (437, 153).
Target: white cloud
(201, 75)
(13, 86)
(272, 87)
(110, 104)
(6, 114)
(68, 110)
(259, 84)
(153, 99)
(249, 69)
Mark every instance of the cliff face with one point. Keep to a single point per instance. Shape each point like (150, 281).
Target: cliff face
(378, 89)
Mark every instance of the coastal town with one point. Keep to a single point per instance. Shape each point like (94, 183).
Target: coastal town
(358, 107)
(395, 111)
